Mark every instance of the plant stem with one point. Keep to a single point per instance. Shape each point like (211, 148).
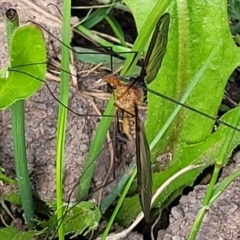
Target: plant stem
(19, 147)
(62, 114)
(220, 162)
(18, 132)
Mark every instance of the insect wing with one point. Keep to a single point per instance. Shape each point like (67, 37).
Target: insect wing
(144, 170)
(156, 50)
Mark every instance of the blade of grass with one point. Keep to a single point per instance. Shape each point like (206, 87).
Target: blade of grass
(218, 190)
(116, 29)
(6, 179)
(94, 150)
(220, 162)
(144, 34)
(101, 41)
(19, 142)
(119, 204)
(117, 188)
(62, 113)
(96, 17)
(96, 57)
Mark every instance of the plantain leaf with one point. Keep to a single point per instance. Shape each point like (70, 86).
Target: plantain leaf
(190, 43)
(15, 85)
(196, 28)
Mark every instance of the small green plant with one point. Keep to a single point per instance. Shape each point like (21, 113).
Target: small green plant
(14, 88)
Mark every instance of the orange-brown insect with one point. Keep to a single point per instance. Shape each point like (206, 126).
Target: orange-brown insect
(127, 99)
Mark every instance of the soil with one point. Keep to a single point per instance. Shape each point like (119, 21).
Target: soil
(41, 119)
(221, 220)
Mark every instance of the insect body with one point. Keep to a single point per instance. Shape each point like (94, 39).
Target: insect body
(133, 128)
(128, 97)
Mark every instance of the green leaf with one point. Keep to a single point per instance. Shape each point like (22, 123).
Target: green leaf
(14, 234)
(189, 138)
(141, 10)
(80, 219)
(20, 82)
(190, 43)
(116, 29)
(96, 17)
(223, 185)
(83, 218)
(96, 57)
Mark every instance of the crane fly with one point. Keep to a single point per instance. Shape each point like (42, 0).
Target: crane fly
(128, 97)
(153, 60)
(133, 128)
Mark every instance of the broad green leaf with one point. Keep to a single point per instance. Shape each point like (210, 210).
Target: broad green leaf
(196, 28)
(190, 43)
(27, 49)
